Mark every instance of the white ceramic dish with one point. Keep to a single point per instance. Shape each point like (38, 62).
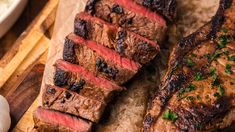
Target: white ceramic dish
(8, 18)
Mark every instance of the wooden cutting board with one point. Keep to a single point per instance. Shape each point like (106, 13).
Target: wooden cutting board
(22, 66)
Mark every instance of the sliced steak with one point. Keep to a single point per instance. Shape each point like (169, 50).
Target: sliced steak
(61, 99)
(127, 44)
(49, 121)
(101, 61)
(130, 16)
(78, 79)
(166, 8)
(198, 92)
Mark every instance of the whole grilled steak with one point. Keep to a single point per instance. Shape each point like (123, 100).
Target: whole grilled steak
(126, 43)
(166, 8)
(61, 99)
(99, 60)
(198, 92)
(130, 16)
(78, 79)
(53, 121)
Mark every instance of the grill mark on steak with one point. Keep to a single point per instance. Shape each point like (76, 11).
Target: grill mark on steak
(92, 87)
(49, 120)
(166, 8)
(200, 111)
(87, 52)
(134, 17)
(73, 103)
(126, 43)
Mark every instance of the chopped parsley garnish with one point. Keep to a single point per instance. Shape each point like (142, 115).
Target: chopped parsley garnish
(216, 94)
(225, 30)
(212, 71)
(198, 76)
(215, 56)
(169, 115)
(190, 88)
(223, 40)
(190, 63)
(232, 58)
(198, 97)
(221, 89)
(215, 81)
(207, 56)
(190, 98)
(194, 55)
(226, 52)
(228, 69)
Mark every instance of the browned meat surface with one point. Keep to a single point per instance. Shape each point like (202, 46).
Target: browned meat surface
(78, 79)
(53, 121)
(166, 8)
(126, 43)
(198, 91)
(61, 99)
(130, 16)
(99, 60)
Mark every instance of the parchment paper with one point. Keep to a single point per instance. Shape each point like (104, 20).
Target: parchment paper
(128, 109)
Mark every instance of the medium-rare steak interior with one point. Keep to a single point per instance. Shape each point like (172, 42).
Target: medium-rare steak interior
(99, 60)
(198, 91)
(131, 16)
(126, 43)
(49, 120)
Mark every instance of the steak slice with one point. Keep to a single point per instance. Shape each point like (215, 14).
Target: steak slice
(49, 120)
(198, 92)
(61, 99)
(130, 16)
(126, 43)
(166, 8)
(101, 61)
(78, 79)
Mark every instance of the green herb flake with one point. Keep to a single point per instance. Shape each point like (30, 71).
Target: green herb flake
(216, 94)
(232, 58)
(198, 97)
(207, 56)
(190, 98)
(216, 81)
(225, 30)
(212, 71)
(190, 63)
(221, 89)
(190, 88)
(215, 55)
(226, 52)
(228, 69)
(223, 40)
(169, 115)
(194, 55)
(198, 76)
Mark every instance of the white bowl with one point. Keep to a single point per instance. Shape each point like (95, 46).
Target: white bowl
(9, 17)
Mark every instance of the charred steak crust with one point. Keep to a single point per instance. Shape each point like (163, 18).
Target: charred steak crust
(126, 43)
(99, 60)
(129, 15)
(50, 120)
(167, 8)
(193, 69)
(73, 103)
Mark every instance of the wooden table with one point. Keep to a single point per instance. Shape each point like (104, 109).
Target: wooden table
(23, 54)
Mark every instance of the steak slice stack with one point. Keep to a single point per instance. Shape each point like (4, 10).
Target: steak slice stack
(198, 91)
(126, 43)
(98, 58)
